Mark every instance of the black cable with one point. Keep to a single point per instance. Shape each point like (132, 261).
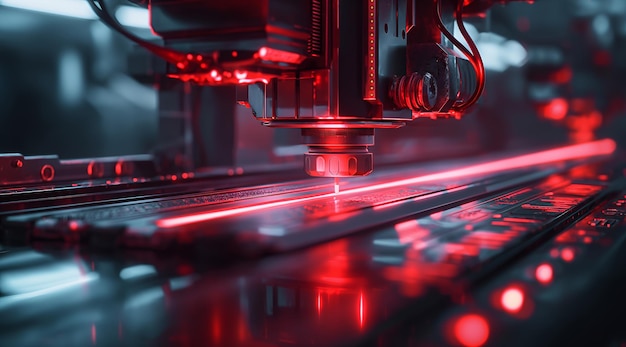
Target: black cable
(171, 56)
(478, 64)
(449, 35)
(474, 56)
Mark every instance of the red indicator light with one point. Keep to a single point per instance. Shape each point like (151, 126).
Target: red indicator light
(556, 109)
(567, 254)
(74, 225)
(512, 300)
(544, 273)
(471, 330)
(595, 148)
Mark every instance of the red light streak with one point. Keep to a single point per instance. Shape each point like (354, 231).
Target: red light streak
(471, 330)
(544, 273)
(512, 300)
(216, 326)
(595, 148)
(93, 334)
(319, 303)
(361, 309)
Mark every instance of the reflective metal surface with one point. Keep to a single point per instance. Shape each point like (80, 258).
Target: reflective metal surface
(493, 269)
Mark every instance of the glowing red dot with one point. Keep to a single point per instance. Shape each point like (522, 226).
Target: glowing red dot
(563, 75)
(556, 109)
(544, 273)
(471, 330)
(512, 300)
(74, 225)
(567, 254)
(554, 253)
(262, 52)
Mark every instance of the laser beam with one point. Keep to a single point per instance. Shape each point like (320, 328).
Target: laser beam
(578, 151)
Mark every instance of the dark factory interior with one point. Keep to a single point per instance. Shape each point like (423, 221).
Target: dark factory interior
(312, 173)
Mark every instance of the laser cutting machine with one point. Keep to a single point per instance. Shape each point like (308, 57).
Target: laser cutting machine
(204, 173)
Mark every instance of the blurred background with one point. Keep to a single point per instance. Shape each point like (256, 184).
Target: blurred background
(64, 82)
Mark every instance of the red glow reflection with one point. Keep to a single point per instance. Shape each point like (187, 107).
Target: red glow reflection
(512, 299)
(319, 303)
(361, 309)
(93, 334)
(544, 273)
(600, 147)
(471, 330)
(410, 231)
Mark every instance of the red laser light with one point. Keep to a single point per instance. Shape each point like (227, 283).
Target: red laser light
(590, 149)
